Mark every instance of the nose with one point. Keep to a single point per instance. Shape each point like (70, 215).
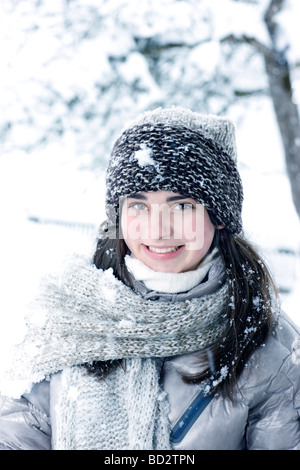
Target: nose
(161, 226)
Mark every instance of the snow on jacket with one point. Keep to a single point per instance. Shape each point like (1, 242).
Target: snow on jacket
(265, 413)
(264, 416)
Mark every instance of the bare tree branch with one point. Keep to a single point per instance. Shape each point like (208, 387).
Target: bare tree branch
(286, 110)
(278, 73)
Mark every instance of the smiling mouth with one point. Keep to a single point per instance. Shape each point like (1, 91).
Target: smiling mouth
(169, 249)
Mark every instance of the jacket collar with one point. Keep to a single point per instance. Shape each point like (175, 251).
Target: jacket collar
(213, 280)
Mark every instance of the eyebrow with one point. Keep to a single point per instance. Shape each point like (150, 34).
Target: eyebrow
(178, 198)
(137, 196)
(142, 197)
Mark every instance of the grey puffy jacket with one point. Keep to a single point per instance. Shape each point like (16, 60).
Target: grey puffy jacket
(265, 414)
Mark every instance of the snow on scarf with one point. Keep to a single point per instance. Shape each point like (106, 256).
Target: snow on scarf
(89, 315)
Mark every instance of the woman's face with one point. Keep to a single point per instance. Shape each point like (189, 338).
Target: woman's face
(166, 231)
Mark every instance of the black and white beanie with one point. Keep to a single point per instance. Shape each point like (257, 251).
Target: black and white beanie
(182, 151)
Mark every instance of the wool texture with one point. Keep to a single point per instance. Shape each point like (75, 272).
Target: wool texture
(127, 410)
(89, 315)
(180, 151)
(170, 282)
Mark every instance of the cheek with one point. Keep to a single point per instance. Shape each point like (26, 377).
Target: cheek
(133, 228)
(125, 224)
(193, 227)
(199, 231)
(209, 231)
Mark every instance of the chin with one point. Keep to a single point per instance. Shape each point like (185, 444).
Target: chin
(163, 268)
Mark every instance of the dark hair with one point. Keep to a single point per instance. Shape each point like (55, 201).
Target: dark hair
(249, 309)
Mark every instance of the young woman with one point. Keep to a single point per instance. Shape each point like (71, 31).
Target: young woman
(172, 337)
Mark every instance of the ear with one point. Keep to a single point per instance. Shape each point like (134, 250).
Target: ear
(219, 227)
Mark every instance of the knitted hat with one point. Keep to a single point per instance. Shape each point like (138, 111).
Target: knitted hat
(181, 151)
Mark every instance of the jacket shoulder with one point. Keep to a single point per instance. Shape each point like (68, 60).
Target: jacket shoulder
(279, 357)
(25, 421)
(270, 388)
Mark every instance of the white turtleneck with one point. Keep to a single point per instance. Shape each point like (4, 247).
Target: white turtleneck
(169, 282)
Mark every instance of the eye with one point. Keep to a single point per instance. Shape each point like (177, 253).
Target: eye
(138, 206)
(183, 206)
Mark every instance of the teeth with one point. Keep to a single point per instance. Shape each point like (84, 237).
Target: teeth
(163, 250)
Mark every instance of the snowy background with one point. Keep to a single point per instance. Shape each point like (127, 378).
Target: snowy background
(73, 72)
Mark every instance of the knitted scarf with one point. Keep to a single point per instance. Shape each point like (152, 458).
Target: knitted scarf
(89, 315)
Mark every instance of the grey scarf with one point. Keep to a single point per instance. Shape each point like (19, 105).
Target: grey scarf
(89, 315)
